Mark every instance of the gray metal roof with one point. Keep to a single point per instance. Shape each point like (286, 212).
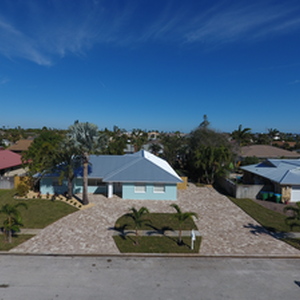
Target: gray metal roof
(283, 171)
(138, 167)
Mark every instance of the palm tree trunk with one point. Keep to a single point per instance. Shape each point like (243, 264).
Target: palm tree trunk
(85, 199)
(70, 188)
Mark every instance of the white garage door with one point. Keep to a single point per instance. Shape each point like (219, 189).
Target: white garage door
(295, 193)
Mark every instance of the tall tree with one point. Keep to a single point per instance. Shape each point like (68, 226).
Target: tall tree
(210, 154)
(87, 140)
(272, 133)
(174, 148)
(67, 162)
(242, 135)
(39, 157)
(138, 138)
(205, 123)
(13, 220)
(182, 217)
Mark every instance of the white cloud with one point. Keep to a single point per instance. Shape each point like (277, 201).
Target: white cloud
(42, 31)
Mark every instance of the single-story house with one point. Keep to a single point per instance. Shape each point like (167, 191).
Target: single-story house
(21, 145)
(278, 176)
(141, 176)
(266, 152)
(9, 161)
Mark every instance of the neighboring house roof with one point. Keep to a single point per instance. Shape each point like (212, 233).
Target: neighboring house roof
(21, 145)
(266, 151)
(283, 171)
(141, 166)
(9, 159)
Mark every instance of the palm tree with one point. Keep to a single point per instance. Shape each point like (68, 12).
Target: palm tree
(272, 133)
(242, 136)
(138, 138)
(13, 219)
(138, 217)
(295, 218)
(67, 160)
(182, 217)
(87, 140)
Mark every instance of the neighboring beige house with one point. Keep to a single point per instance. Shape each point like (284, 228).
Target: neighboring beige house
(266, 151)
(20, 146)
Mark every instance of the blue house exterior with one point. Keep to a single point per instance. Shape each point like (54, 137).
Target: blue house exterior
(138, 176)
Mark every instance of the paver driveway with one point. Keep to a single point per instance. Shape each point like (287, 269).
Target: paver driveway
(225, 228)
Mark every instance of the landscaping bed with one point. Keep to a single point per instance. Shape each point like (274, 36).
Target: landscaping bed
(157, 224)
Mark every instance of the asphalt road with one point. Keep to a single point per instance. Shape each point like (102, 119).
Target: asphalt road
(50, 277)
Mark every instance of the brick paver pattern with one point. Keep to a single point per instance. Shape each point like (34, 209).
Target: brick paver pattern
(225, 228)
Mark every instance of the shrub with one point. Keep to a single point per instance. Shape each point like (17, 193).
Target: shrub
(22, 189)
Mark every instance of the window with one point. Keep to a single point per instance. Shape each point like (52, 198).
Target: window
(140, 188)
(159, 188)
(95, 182)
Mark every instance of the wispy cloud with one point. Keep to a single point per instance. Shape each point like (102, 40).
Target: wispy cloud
(41, 31)
(243, 22)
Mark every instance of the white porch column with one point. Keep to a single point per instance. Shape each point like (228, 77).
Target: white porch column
(110, 190)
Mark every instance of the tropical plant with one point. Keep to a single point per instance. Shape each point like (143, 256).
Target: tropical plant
(138, 138)
(68, 161)
(87, 140)
(138, 217)
(294, 219)
(13, 219)
(182, 217)
(39, 158)
(242, 136)
(174, 148)
(205, 123)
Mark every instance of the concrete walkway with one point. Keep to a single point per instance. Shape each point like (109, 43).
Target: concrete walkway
(225, 229)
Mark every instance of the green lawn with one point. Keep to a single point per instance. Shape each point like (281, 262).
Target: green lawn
(293, 242)
(16, 240)
(155, 244)
(159, 222)
(40, 213)
(269, 219)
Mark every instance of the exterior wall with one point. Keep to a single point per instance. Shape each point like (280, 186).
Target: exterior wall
(47, 185)
(286, 193)
(183, 185)
(170, 193)
(240, 190)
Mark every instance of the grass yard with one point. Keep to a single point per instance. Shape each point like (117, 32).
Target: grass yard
(40, 213)
(159, 222)
(293, 242)
(269, 219)
(16, 240)
(155, 244)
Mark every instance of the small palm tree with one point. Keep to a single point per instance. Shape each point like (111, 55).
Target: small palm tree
(295, 218)
(182, 217)
(13, 219)
(138, 217)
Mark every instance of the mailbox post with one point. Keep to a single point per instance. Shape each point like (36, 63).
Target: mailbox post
(193, 238)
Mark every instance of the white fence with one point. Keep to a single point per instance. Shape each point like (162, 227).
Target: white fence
(240, 190)
(6, 183)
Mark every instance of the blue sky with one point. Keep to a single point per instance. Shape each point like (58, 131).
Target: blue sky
(150, 64)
